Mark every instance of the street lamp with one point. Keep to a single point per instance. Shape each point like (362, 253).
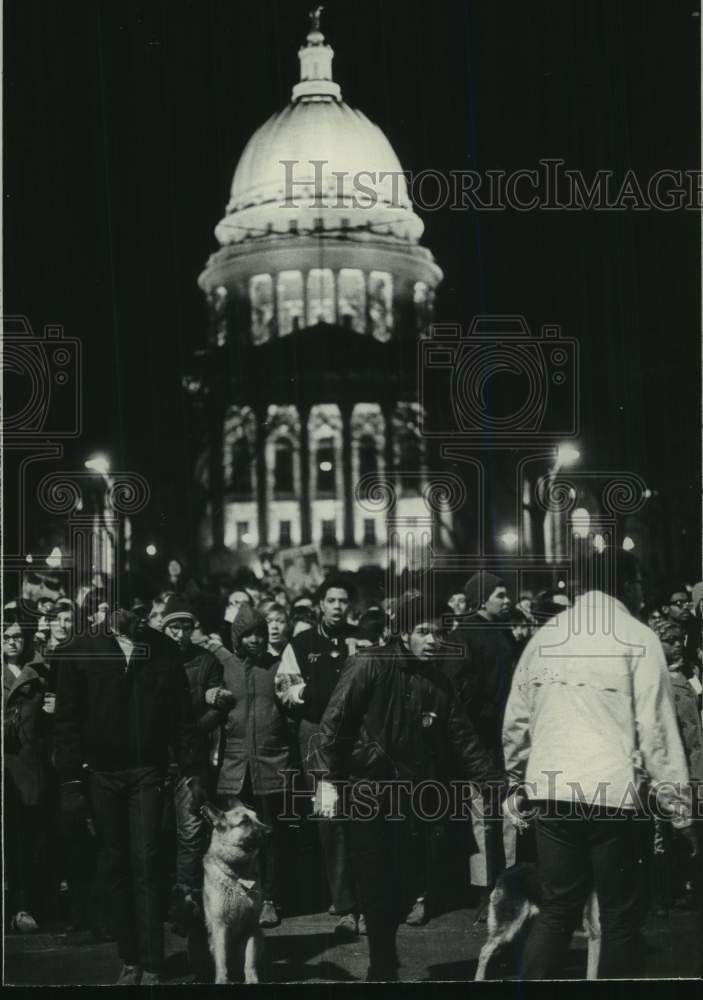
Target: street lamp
(628, 544)
(509, 538)
(567, 454)
(151, 550)
(98, 463)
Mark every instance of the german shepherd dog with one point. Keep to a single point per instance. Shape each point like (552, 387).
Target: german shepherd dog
(231, 892)
(513, 905)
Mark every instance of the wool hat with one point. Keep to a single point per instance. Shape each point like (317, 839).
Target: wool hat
(411, 609)
(248, 620)
(479, 588)
(177, 609)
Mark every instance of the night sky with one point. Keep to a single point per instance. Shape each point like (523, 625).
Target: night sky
(124, 122)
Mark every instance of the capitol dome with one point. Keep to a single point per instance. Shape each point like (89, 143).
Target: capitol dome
(318, 166)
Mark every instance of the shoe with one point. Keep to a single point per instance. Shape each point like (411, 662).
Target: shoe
(130, 975)
(361, 926)
(269, 916)
(347, 927)
(150, 979)
(418, 915)
(24, 923)
(333, 911)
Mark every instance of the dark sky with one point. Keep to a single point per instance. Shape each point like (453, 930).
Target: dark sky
(124, 122)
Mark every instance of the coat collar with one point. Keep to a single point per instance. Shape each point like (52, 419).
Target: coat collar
(10, 683)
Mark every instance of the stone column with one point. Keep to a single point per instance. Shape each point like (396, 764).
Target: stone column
(305, 512)
(261, 414)
(348, 495)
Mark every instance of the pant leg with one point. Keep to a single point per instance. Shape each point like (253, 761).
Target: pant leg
(145, 802)
(336, 851)
(268, 809)
(109, 797)
(20, 834)
(614, 846)
(378, 848)
(192, 840)
(565, 869)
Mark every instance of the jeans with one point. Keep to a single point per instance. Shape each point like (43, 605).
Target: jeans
(192, 840)
(496, 840)
(22, 838)
(127, 806)
(336, 850)
(577, 854)
(382, 853)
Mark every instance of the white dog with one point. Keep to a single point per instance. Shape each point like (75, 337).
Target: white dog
(231, 892)
(513, 905)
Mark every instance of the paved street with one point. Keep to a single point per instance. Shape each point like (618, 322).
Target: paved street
(303, 949)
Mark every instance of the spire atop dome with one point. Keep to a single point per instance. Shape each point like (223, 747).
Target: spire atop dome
(316, 83)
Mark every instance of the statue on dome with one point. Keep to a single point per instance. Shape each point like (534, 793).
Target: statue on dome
(314, 16)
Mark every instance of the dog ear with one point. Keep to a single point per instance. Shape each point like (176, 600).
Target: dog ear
(213, 815)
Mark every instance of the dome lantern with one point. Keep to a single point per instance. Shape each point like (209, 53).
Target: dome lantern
(316, 83)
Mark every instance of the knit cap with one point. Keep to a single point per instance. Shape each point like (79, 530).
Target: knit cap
(480, 587)
(177, 609)
(248, 620)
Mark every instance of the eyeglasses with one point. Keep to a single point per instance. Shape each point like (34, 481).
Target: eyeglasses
(12, 638)
(680, 603)
(179, 627)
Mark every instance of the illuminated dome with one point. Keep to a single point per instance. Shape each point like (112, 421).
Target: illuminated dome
(318, 166)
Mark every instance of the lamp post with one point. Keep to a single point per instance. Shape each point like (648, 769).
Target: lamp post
(566, 455)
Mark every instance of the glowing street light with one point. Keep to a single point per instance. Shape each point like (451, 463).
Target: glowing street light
(248, 538)
(598, 543)
(151, 550)
(509, 538)
(54, 559)
(99, 464)
(567, 454)
(580, 522)
(325, 466)
(628, 544)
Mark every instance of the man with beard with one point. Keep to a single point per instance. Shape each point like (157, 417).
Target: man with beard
(393, 723)
(123, 707)
(310, 668)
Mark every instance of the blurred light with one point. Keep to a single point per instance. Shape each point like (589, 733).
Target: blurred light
(567, 454)
(247, 538)
(561, 585)
(647, 494)
(99, 464)
(151, 550)
(581, 522)
(628, 544)
(509, 538)
(598, 543)
(54, 560)
(29, 559)
(325, 466)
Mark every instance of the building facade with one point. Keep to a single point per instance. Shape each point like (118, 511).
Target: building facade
(317, 297)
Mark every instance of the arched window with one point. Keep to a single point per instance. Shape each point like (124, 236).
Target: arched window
(242, 459)
(325, 467)
(352, 299)
(289, 290)
(261, 303)
(320, 296)
(381, 305)
(368, 455)
(283, 467)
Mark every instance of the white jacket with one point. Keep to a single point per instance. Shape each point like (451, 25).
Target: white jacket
(591, 709)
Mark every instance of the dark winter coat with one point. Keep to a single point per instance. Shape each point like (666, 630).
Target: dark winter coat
(255, 733)
(23, 729)
(392, 716)
(112, 715)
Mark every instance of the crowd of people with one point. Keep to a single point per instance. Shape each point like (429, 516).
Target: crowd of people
(320, 709)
